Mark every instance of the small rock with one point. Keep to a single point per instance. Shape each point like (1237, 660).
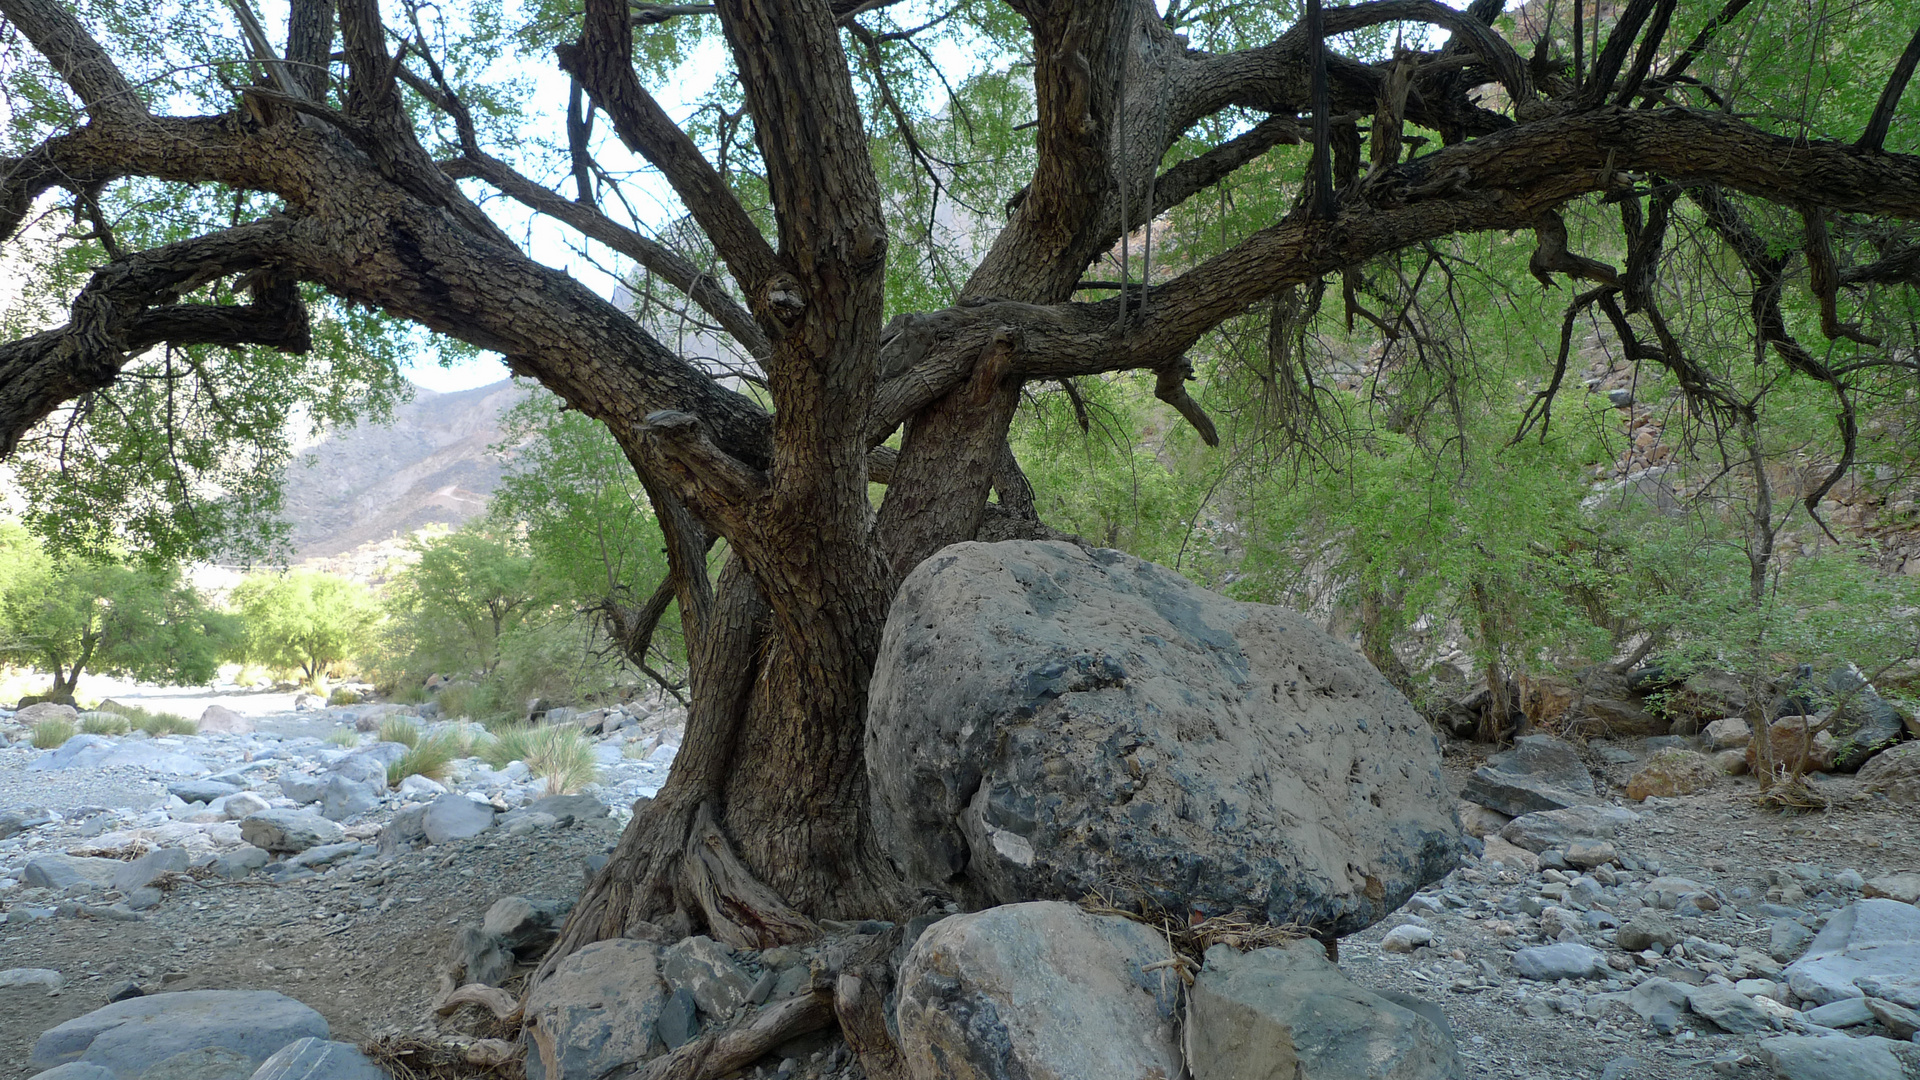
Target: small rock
(1904, 887)
(522, 924)
(702, 966)
(1406, 938)
(679, 1021)
(1671, 773)
(243, 805)
(1730, 762)
(1660, 1003)
(1645, 930)
(416, 784)
(1844, 1013)
(1588, 854)
(204, 790)
(61, 871)
(14, 822)
(1565, 960)
(1729, 1010)
(599, 1007)
(1894, 773)
(125, 990)
(142, 871)
(1539, 773)
(220, 720)
(42, 977)
(455, 817)
(1558, 828)
(1786, 937)
(1481, 821)
(1728, 733)
(289, 830)
(1902, 1021)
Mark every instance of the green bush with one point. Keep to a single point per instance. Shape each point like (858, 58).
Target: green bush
(563, 757)
(400, 729)
(460, 699)
(48, 734)
(105, 724)
(165, 724)
(343, 696)
(510, 743)
(429, 757)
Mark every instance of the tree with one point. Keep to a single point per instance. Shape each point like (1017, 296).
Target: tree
(304, 619)
(67, 616)
(365, 139)
(468, 589)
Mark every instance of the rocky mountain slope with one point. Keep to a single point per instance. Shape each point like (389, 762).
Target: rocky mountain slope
(368, 483)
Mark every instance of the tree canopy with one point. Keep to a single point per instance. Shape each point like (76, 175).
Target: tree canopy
(855, 255)
(304, 620)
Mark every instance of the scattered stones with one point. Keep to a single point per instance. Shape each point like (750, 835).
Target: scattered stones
(289, 830)
(127, 1037)
(1895, 773)
(455, 817)
(596, 1011)
(1539, 773)
(1564, 960)
(1038, 989)
(1672, 772)
(1289, 1012)
(1010, 671)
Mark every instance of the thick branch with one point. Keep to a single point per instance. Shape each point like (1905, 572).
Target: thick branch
(1875, 136)
(79, 59)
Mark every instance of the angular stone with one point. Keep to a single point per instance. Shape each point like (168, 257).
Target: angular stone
(1587, 854)
(1792, 751)
(1497, 850)
(142, 871)
(129, 1036)
(404, 831)
(289, 830)
(220, 720)
(1565, 960)
(702, 967)
(1894, 773)
(1539, 773)
(679, 1021)
(1481, 821)
(1667, 892)
(455, 817)
(154, 759)
(599, 1008)
(1645, 930)
(344, 798)
(1406, 938)
(302, 788)
(1844, 1013)
(1803, 1057)
(59, 871)
(1899, 1019)
(1871, 938)
(1660, 1003)
(1045, 719)
(1729, 1009)
(1728, 733)
(484, 960)
(1038, 990)
(521, 924)
(1558, 828)
(1900, 988)
(1730, 762)
(203, 790)
(1786, 937)
(46, 710)
(46, 978)
(1671, 773)
(243, 805)
(239, 863)
(363, 766)
(80, 751)
(1288, 1012)
(577, 807)
(318, 1059)
(325, 854)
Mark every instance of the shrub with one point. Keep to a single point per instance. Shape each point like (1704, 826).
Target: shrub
(343, 696)
(510, 743)
(105, 724)
(459, 699)
(400, 729)
(345, 737)
(563, 756)
(48, 734)
(429, 757)
(165, 724)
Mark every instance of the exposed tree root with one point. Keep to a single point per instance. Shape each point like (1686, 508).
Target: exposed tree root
(491, 998)
(722, 1052)
(738, 909)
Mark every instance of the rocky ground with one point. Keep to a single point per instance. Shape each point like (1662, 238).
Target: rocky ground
(1712, 890)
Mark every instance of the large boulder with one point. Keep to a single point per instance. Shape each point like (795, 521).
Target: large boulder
(128, 1037)
(1894, 773)
(1545, 829)
(1047, 719)
(1039, 990)
(597, 1011)
(455, 817)
(220, 720)
(289, 830)
(1869, 940)
(319, 1059)
(1290, 1014)
(58, 871)
(1539, 773)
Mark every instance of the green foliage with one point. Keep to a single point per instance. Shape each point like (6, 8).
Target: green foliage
(400, 729)
(105, 724)
(429, 757)
(467, 590)
(157, 724)
(50, 733)
(305, 620)
(345, 737)
(69, 615)
(562, 756)
(510, 743)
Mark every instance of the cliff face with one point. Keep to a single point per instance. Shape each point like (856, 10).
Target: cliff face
(431, 465)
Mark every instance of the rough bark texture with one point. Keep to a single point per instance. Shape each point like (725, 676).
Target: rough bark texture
(763, 825)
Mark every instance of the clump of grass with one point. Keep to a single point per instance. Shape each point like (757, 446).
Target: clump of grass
(509, 744)
(429, 757)
(563, 756)
(343, 696)
(345, 737)
(462, 699)
(48, 734)
(400, 729)
(469, 737)
(99, 723)
(165, 724)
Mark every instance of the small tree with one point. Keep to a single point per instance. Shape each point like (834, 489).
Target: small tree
(304, 619)
(69, 616)
(468, 591)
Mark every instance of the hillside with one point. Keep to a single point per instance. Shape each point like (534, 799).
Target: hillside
(430, 465)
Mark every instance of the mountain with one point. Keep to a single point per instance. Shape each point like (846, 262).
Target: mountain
(372, 482)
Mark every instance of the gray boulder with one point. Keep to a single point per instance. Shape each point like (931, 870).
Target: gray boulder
(1894, 773)
(145, 755)
(364, 766)
(1729, 1010)
(344, 798)
(318, 1059)
(577, 807)
(455, 817)
(128, 1037)
(1543, 829)
(1038, 990)
(60, 871)
(1803, 1057)
(46, 978)
(46, 710)
(1046, 719)
(142, 871)
(703, 967)
(15, 822)
(289, 830)
(220, 720)
(404, 831)
(240, 862)
(302, 788)
(1872, 939)
(1539, 773)
(1290, 1014)
(596, 1011)
(203, 791)
(77, 752)
(1565, 960)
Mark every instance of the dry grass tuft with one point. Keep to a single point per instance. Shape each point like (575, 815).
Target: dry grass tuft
(49, 734)
(409, 1057)
(1191, 937)
(1793, 795)
(400, 729)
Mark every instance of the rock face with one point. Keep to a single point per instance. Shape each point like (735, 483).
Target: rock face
(128, 1037)
(1045, 719)
(596, 1011)
(1539, 773)
(1872, 939)
(1038, 990)
(289, 830)
(1289, 1014)
(1894, 773)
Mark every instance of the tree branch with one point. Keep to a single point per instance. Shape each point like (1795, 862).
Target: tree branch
(1875, 135)
(79, 59)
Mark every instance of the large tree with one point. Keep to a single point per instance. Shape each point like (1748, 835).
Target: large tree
(352, 163)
